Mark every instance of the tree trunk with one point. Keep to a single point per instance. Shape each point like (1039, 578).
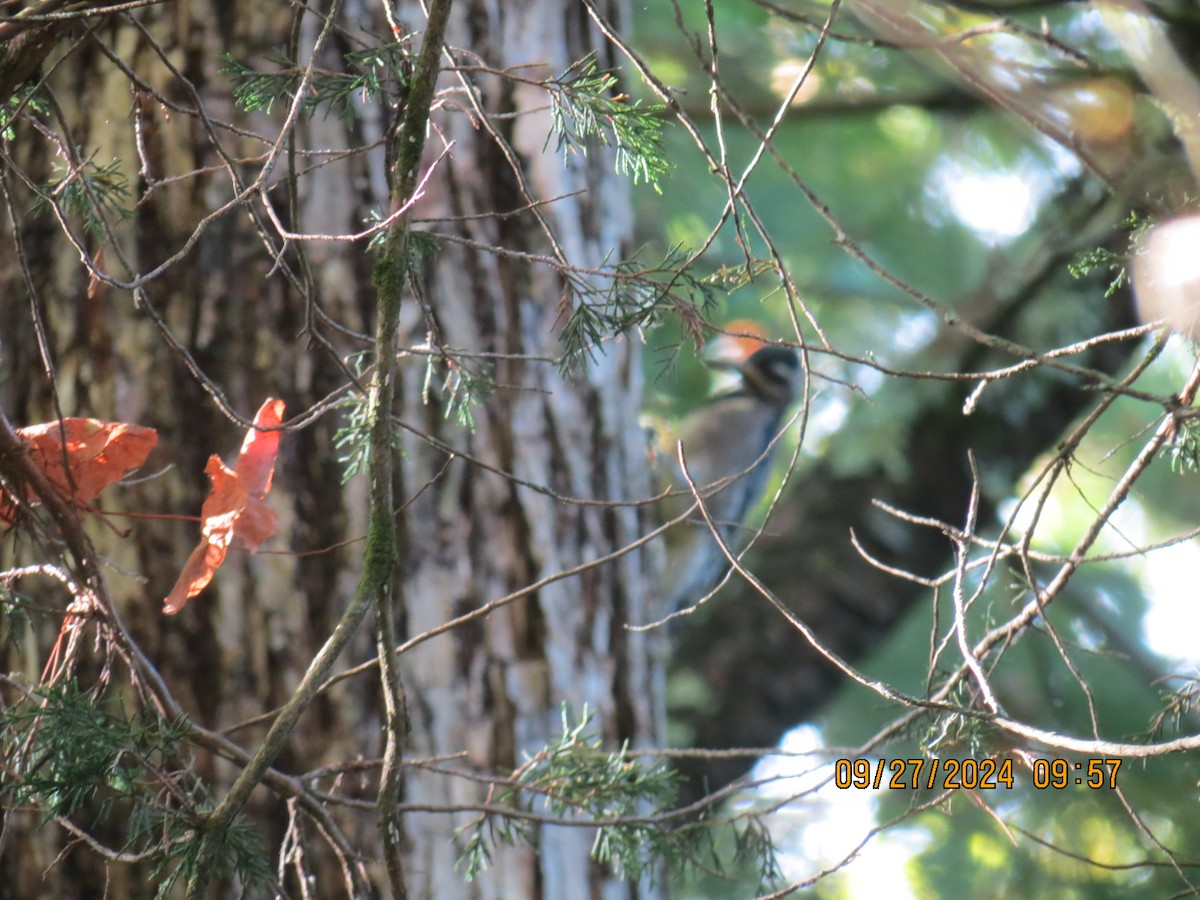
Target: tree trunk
(470, 536)
(482, 513)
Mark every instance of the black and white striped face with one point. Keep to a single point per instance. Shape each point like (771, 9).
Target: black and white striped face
(772, 374)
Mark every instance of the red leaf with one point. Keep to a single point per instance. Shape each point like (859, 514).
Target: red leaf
(97, 455)
(197, 573)
(256, 464)
(234, 507)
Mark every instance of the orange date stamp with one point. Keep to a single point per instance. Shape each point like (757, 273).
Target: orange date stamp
(971, 774)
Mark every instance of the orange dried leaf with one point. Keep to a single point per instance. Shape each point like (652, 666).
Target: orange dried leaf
(197, 573)
(255, 524)
(234, 507)
(256, 464)
(96, 453)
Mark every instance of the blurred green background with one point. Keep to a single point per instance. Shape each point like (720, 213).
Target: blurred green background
(980, 201)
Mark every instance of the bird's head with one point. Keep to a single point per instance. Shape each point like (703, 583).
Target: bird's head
(770, 374)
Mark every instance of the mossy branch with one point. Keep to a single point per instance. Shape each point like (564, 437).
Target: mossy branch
(379, 559)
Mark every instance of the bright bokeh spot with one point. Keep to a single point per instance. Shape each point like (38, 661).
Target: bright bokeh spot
(908, 126)
(822, 828)
(1166, 275)
(1101, 110)
(1173, 618)
(1168, 574)
(997, 206)
(784, 76)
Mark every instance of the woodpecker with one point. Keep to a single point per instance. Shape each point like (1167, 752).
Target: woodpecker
(727, 450)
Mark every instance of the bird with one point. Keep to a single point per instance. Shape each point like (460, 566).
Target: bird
(727, 449)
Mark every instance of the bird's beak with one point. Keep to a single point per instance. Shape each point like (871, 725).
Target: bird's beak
(725, 365)
(727, 372)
